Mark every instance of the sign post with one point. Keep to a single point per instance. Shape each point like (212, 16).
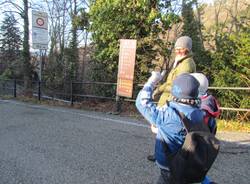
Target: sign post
(126, 69)
(40, 35)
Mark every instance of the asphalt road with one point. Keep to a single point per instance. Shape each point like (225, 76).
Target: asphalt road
(53, 145)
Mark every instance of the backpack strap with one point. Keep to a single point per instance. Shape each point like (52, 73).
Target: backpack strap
(189, 126)
(185, 121)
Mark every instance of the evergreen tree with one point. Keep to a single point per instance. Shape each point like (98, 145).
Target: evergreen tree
(191, 28)
(10, 44)
(190, 24)
(72, 54)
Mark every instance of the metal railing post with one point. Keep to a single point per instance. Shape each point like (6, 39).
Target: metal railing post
(14, 88)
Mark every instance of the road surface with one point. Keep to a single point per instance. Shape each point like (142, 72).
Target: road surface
(54, 145)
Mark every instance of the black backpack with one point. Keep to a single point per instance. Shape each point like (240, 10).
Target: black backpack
(193, 160)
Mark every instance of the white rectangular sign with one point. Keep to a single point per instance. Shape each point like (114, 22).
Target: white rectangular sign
(39, 30)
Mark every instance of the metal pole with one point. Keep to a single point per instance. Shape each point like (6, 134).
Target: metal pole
(40, 65)
(41, 62)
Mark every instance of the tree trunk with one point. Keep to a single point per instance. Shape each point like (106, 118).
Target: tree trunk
(26, 53)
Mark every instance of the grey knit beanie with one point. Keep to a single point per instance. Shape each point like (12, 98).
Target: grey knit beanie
(185, 86)
(184, 42)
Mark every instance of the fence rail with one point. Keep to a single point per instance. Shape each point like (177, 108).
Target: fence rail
(40, 90)
(230, 88)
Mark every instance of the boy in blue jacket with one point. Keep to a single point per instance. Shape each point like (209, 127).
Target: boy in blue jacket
(171, 132)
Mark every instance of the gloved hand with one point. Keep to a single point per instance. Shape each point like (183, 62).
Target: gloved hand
(154, 78)
(154, 129)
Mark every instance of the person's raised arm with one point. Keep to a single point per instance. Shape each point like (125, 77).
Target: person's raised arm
(144, 102)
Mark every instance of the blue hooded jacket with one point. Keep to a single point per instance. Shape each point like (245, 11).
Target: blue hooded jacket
(170, 128)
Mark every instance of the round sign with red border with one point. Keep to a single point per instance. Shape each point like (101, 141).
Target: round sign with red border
(39, 21)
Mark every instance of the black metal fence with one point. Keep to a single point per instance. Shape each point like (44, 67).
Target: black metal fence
(78, 91)
(67, 92)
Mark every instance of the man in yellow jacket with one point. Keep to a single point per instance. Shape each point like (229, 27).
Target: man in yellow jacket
(183, 63)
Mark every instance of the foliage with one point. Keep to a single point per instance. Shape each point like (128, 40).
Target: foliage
(191, 28)
(72, 55)
(228, 64)
(140, 20)
(7, 74)
(68, 19)
(231, 67)
(71, 63)
(54, 71)
(149, 22)
(10, 44)
(81, 20)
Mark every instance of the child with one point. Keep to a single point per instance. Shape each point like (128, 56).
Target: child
(171, 132)
(209, 104)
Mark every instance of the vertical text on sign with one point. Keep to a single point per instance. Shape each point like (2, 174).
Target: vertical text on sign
(126, 67)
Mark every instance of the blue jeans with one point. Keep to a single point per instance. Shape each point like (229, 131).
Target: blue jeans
(206, 181)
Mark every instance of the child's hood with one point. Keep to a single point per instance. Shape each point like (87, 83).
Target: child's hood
(211, 105)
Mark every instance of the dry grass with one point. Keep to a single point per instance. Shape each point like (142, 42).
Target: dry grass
(229, 125)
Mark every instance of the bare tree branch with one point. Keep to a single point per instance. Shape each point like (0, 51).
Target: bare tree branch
(12, 11)
(15, 5)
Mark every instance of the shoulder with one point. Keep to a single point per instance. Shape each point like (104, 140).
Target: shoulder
(194, 114)
(211, 105)
(188, 61)
(208, 100)
(187, 65)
